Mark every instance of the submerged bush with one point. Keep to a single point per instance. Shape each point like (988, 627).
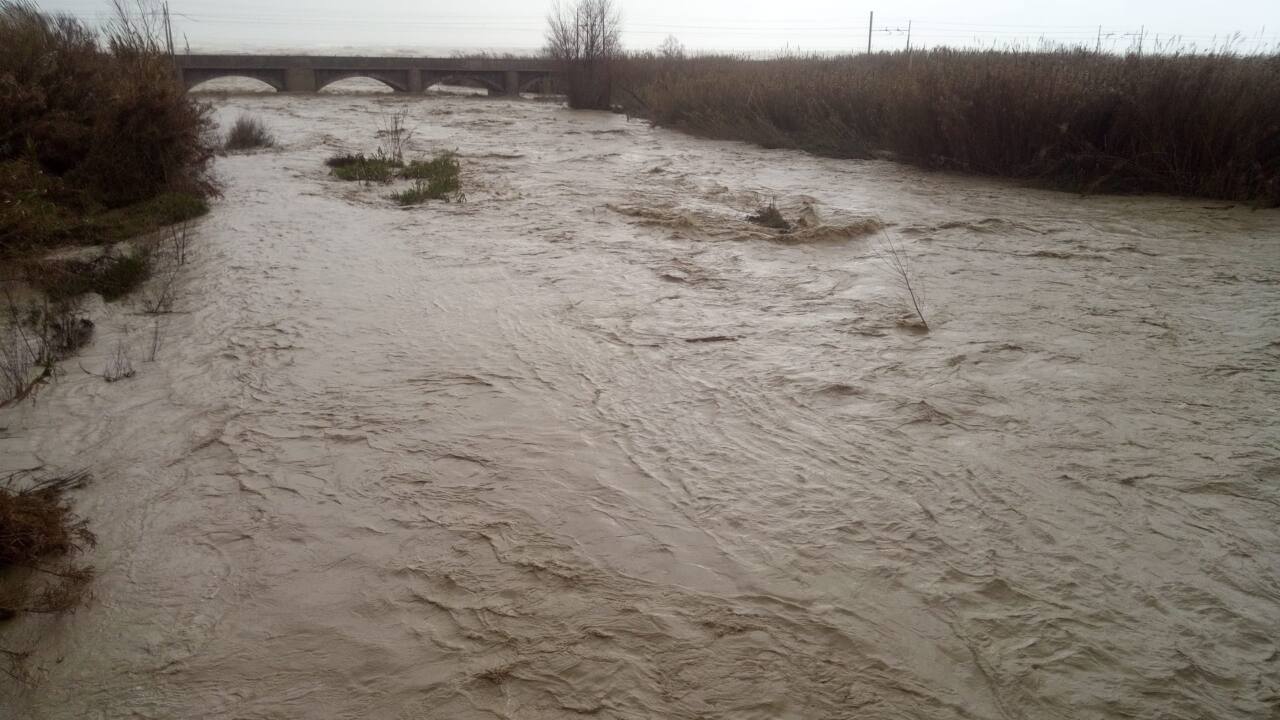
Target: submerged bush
(436, 179)
(769, 216)
(248, 133)
(358, 168)
(1205, 125)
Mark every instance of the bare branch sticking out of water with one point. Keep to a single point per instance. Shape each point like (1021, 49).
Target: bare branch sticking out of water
(157, 337)
(895, 257)
(395, 132)
(119, 366)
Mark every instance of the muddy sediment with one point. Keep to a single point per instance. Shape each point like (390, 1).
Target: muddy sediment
(592, 443)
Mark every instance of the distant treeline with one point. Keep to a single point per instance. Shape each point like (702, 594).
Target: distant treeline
(1199, 125)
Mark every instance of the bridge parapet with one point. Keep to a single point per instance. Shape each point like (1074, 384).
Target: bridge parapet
(309, 73)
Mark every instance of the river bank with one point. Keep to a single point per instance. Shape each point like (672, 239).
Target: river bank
(590, 442)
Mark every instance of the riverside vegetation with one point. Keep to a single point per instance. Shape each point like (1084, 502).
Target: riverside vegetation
(1197, 125)
(99, 145)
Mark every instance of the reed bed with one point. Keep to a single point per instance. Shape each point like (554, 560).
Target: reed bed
(1197, 125)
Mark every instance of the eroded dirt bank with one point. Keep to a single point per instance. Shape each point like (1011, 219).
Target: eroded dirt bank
(590, 444)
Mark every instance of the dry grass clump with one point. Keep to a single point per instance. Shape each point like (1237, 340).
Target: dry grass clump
(249, 133)
(39, 537)
(1202, 125)
(36, 522)
(86, 127)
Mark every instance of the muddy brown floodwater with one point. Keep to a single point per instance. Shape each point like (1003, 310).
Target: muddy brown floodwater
(590, 444)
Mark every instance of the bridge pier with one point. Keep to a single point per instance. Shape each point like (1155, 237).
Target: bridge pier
(299, 79)
(511, 84)
(415, 81)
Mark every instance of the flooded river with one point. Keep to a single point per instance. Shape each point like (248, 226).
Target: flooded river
(589, 444)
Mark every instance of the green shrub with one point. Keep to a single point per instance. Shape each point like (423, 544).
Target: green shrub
(148, 216)
(435, 179)
(85, 127)
(111, 276)
(39, 211)
(358, 168)
(444, 165)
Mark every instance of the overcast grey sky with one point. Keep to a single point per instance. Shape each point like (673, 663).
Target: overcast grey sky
(737, 25)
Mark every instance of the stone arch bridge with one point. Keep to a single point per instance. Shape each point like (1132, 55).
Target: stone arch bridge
(309, 73)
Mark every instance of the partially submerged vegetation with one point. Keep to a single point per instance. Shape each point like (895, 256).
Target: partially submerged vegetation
(436, 179)
(99, 145)
(366, 169)
(1200, 125)
(40, 537)
(249, 133)
(769, 216)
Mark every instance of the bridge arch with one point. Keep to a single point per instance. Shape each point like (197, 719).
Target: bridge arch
(491, 81)
(194, 77)
(527, 84)
(397, 81)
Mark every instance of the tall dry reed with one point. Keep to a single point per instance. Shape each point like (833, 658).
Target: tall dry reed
(1200, 125)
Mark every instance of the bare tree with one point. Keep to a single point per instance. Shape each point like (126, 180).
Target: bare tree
(585, 37)
(671, 48)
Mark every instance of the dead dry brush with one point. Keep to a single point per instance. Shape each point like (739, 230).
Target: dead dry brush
(34, 335)
(394, 130)
(40, 539)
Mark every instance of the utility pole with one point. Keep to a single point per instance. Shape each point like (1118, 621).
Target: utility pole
(1099, 50)
(870, 19)
(1142, 34)
(908, 36)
